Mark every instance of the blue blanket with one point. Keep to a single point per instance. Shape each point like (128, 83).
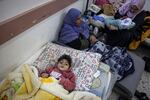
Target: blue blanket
(117, 58)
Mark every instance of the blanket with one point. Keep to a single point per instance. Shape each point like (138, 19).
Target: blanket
(32, 88)
(117, 58)
(57, 89)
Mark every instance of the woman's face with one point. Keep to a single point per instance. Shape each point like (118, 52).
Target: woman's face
(78, 21)
(134, 9)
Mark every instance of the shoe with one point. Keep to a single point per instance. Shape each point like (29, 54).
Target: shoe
(141, 95)
(147, 64)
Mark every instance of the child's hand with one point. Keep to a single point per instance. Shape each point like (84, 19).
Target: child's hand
(61, 78)
(44, 75)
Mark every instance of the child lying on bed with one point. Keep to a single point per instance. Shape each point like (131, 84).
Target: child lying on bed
(62, 72)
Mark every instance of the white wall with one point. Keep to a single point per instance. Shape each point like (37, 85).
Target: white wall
(19, 49)
(147, 5)
(11, 8)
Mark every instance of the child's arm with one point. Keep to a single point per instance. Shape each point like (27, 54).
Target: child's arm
(46, 72)
(69, 82)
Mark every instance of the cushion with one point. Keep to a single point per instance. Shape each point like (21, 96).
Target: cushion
(129, 84)
(84, 64)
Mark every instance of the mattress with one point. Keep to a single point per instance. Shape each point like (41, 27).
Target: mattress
(102, 88)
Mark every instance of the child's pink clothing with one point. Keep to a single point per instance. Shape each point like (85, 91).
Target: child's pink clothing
(67, 78)
(101, 2)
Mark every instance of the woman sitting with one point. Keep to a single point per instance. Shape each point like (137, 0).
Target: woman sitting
(131, 9)
(74, 32)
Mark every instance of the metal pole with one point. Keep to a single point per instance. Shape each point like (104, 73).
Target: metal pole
(87, 3)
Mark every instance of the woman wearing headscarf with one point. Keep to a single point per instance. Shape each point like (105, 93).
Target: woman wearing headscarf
(131, 9)
(74, 32)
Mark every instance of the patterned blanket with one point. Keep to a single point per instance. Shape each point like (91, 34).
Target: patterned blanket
(117, 58)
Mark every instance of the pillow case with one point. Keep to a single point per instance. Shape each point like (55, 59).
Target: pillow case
(84, 64)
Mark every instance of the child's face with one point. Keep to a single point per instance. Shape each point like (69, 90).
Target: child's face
(63, 64)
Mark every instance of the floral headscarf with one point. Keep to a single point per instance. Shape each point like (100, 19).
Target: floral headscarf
(125, 8)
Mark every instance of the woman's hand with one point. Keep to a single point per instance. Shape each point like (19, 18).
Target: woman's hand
(92, 39)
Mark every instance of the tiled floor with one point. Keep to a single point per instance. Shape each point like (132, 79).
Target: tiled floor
(144, 86)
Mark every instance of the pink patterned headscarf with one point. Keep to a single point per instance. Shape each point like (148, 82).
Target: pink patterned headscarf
(101, 2)
(125, 8)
